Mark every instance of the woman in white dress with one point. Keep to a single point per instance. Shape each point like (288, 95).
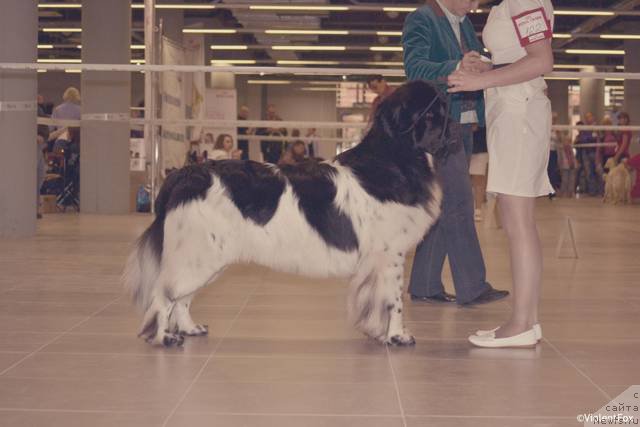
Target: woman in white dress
(518, 34)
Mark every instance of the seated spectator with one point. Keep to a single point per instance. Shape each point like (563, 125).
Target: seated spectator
(294, 155)
(223, 149)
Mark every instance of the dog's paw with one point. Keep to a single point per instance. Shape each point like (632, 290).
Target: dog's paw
(401, 340)
(196, 331)
(167, 339)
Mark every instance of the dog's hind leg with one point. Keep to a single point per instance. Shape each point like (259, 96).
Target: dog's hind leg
(375, 301)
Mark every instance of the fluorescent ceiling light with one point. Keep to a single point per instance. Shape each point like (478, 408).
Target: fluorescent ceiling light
(615, 79)
(228, 47)
(561, 36)
(319, 89)
(72, 70)
(570, 66)
(41, 70)
(620, 36)
(175, 6)
(298, 62)
(595, 51)
(137, 47)
(583, 12)
(562, 78)
(291, 47)
(619, 67)
(386, 48)
(208, 31)
(59, 6)
(45, 46)
(398, 9)
(269, 82)
(387, 63)
(309, 32)
(299, 8)
(232, 61)
(60, 61)
(138, 61)
(61, 30)
(389, 33)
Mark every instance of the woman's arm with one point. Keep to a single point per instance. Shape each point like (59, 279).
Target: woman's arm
(623, 147)
(538, 61)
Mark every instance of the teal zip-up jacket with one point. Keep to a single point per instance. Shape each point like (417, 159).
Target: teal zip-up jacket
(432, 52)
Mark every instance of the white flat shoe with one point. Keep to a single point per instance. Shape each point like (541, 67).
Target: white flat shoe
(526, 339)
(536, 328)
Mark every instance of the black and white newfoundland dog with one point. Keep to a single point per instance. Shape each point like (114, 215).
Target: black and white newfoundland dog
(355, 216)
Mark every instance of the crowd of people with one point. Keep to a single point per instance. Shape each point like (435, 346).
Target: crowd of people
(580, 165)
(284, 152)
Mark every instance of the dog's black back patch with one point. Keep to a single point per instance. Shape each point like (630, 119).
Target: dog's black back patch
(313, 185)
(254, 188)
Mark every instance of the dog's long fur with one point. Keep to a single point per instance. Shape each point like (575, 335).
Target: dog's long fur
(354, 217)
(617, 183)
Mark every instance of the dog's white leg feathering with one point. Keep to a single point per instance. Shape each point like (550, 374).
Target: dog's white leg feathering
(375, 300)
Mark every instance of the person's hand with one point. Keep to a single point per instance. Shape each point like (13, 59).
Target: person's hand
(236, 154)
(471, 61)
(465, 81)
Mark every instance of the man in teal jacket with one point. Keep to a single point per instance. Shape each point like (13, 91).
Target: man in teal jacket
(437, 39)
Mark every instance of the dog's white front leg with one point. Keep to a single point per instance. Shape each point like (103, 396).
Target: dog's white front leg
(397, 334)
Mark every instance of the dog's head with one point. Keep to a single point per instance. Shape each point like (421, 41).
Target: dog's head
(610, 163)
(416, 115)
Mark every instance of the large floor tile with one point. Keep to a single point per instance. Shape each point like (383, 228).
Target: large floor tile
(158, 367)
(207, 420)
(518, 400)
(127, 344)
(289, 398)
(488, 371)
(287, 369)
(301, 347)
(79, 419)
(157, 395)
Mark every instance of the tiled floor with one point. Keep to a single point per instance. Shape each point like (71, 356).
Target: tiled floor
(281, 352)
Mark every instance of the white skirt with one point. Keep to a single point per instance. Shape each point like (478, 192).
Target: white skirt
(518, 139)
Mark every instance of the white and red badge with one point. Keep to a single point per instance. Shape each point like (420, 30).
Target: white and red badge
(532, 26)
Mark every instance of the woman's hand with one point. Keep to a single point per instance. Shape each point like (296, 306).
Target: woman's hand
(465, 81)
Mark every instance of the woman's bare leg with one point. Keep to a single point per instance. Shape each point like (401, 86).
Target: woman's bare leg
(518, 220)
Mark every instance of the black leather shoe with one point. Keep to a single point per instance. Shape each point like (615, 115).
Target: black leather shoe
(490, 295)
(438, 299)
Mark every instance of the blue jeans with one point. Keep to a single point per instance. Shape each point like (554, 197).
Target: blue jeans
(453, 235)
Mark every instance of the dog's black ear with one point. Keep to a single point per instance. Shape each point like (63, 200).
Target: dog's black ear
(386, 118)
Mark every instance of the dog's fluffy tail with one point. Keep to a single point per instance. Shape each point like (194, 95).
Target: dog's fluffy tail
(143, 265)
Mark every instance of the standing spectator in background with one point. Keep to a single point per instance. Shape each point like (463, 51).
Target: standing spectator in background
(378, 85)
(41, 146)
(568, 166)
(311, 142)
(42, 112)
(478, 169)
(588, 180)
(552, 167)
(624, 138)
(605, 153)
(243, 144)
(272, 149)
